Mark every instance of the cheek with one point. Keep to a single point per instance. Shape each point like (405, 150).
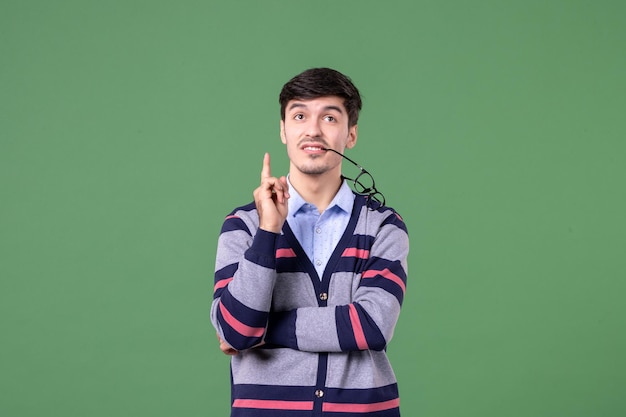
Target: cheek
(288, 137)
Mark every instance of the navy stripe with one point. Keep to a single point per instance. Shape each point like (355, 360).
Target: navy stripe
(281, 329)
(295, 264)
(224, 273)
(345, 333)
(394, 412)
(251, 206)
(331, 395)
(395, 220)
(373, 335)
(227, 272)
(361, 396)
(289, 265)
(273, 392)
(245, 315)
(256, 412)
(235, 339)
(388, 285)
(353, 263)
(263, 249)
(232, 224)
(361, 241)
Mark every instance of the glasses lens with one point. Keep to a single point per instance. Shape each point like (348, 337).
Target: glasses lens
(378, 197)
(364, 183)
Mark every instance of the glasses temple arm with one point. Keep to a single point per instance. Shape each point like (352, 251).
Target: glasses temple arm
(343, 156)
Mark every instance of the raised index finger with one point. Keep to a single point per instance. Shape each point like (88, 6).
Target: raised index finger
(266, 172)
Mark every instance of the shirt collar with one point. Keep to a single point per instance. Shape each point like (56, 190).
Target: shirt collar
(344, 199)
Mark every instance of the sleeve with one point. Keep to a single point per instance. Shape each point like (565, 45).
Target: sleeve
(245, 274)
(368, 322)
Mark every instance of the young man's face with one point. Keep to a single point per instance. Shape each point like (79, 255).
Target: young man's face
(313, 124)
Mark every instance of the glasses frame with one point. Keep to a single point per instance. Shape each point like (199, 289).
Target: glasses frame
(372, 192)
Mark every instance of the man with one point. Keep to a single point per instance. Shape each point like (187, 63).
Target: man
(310, 277)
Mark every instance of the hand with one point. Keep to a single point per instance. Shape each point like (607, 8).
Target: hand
(271, 199)
(225, 347)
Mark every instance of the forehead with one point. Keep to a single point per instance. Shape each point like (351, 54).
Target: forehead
(325, 103)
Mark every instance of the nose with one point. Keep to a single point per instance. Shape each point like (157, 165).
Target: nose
(313, 129)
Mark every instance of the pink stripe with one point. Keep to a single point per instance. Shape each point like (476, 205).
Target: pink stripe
(360, 408)
(241, 328)
(385, 273)
(222, 284)
(285, 253)
(232, 217)
(357, 253)
(273, 404)
(359, 335)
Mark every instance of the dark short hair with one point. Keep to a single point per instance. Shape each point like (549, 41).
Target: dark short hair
(322, 82)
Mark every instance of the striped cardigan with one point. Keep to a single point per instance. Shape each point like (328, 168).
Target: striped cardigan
(311, 346)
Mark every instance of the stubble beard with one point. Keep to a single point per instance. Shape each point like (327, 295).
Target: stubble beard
(313, 169)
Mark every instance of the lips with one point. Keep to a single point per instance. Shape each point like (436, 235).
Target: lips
(313, 148)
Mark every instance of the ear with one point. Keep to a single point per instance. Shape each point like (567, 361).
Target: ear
(282, 132)
(352, 136)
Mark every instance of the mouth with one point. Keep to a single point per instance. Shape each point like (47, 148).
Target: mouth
(313, 148)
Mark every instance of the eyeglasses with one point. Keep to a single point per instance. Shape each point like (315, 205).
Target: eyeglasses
(364, 183)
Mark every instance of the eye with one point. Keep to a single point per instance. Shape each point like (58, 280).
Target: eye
(330, 118)
(298, 116)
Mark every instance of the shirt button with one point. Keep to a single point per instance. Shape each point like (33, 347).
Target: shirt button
(323, 296)
(318, 230)
(318, 262)
(319, 393)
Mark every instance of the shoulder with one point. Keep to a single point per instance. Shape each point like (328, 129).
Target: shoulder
(241, 218)
(373, 214)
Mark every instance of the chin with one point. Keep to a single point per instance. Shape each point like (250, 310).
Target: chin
(313, 170)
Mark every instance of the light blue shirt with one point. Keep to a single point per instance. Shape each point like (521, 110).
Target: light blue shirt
(318, 234)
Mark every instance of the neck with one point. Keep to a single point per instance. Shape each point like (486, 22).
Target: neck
(318, 190)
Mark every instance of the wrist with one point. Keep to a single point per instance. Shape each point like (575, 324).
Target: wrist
(272, 228)
(262, 251)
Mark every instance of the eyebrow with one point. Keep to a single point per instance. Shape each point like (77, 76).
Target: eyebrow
(327, 108)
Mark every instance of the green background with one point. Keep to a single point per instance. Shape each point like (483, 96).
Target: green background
(129, 129)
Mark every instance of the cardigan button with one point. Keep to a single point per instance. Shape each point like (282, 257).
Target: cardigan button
(319, 393)
(323, 296)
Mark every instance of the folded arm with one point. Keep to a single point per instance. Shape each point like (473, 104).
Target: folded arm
(368, 322)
